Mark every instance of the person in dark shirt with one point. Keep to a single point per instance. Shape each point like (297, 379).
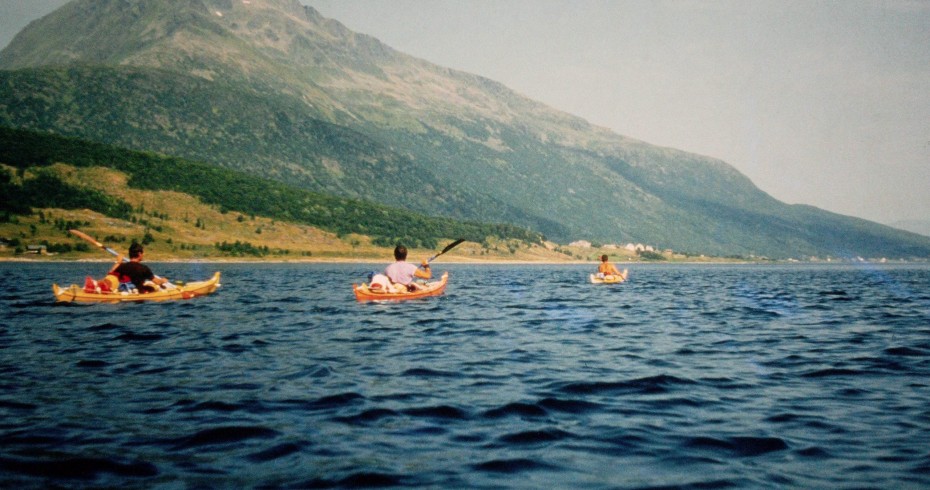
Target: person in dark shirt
(135, 271)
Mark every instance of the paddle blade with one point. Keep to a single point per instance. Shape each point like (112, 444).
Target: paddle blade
(448, 247)
(84, 236)
(451, 246)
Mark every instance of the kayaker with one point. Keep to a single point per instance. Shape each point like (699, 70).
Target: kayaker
(608, 269)
(135, 271)
(403, 272)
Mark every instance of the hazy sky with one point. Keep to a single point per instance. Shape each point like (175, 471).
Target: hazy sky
(818, 102)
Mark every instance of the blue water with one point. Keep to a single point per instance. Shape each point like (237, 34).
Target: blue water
(518, 377)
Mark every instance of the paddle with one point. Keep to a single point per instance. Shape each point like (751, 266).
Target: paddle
(448, 247)
(90, 239)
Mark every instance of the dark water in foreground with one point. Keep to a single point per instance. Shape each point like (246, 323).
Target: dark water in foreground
(519, 377)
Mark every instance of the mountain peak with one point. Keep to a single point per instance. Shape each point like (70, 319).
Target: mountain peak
(123, 31)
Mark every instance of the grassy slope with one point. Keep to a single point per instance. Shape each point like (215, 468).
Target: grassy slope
(184, 227)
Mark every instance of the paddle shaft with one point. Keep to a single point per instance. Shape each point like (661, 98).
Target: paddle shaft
(90, 239)
(448, 247)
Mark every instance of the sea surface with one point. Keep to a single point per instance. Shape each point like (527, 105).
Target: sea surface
(520, 376)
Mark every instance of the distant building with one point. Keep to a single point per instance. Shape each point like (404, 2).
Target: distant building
(36, 249)
(580, 244)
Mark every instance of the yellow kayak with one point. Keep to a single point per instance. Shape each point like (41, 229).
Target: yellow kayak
(363, 293)
(75, 293)
(609, 278)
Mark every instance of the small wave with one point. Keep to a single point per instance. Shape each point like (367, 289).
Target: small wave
(469, 438)
(14, 405)
(224, 435)
(267, 309)
(666, 403)
(323, 403)
(36, 304)
(923, 467)
(836, 295)
(360, 480)
(568, 406)
(340, 400)
(752, 311)
(157, 370)
(824, 373)
(518, 409)
(276, 452)
(814, 452)
(139, 337)
(741, 446)
(240, 386)
(810, 422)
(649, 385)
(236, 348)
(516, 465)
(368, 416)
(906, 352)
(104, 326)
(438, 412)
(429, 373)
(26, 439)
(213, 406)
(92, 363)
(853, 392)
(77, 468)
(536, 436)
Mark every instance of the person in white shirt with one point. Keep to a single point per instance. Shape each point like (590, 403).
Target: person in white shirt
(403, 272)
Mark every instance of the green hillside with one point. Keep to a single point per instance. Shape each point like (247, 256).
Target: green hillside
(229, 190)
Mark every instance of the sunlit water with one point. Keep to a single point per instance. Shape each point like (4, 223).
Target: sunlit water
(518, 377)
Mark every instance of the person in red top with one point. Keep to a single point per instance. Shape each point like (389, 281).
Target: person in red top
(135, 271)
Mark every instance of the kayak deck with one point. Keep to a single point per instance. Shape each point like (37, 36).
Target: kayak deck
(363, 293)
(610, 278)
(77, 294)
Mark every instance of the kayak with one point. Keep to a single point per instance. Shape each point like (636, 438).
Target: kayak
(77, 294)
(609, 279)
(363, 293)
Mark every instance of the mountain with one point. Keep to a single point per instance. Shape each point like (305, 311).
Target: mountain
(271, 87)
(921, 227)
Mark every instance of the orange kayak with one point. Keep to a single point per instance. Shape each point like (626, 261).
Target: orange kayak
(363, 293)
(75, 293)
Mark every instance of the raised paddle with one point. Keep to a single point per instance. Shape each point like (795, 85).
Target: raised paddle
(84, 236)
(448, 247)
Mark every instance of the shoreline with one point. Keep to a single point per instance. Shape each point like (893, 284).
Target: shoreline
(344, 260)
(453, 261)
(303, 261)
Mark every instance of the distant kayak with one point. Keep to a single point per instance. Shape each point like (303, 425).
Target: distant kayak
(364, 293)
(78, 294)
(610, 278)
